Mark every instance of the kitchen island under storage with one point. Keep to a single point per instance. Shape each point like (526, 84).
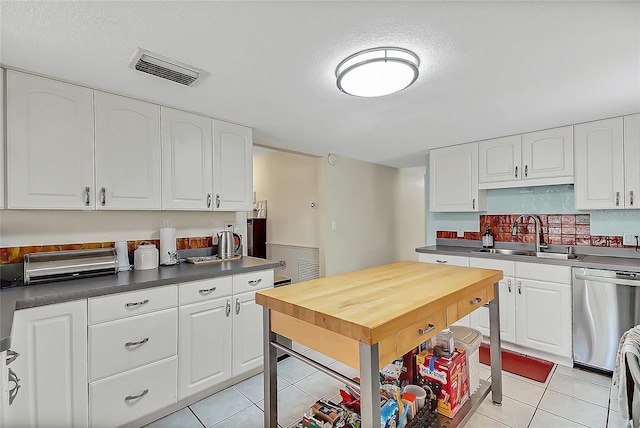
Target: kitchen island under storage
(370, 317)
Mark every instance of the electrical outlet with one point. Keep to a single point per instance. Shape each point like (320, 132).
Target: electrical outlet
(460, 233)
(630, 239)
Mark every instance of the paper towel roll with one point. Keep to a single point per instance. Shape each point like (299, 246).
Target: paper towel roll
(167, 245)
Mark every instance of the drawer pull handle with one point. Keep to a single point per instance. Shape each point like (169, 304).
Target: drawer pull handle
(133, 305)
(207, 290)
(139, 342)
(486, 305)
(237, 306)
(427, 330)
(475, 301)
(11, 356)
(255, 282)
(441, 261)
(135, 397)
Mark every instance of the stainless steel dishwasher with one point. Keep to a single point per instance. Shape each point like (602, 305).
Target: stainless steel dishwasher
(606, 303)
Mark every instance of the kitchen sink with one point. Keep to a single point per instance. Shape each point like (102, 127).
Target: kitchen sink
(542, 255)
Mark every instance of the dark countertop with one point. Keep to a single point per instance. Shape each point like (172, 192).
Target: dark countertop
(13, 299)
(583, 260)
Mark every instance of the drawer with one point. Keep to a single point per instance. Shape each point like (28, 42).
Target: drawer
(472, 301)
(414, 334)
(507, 267)
(199, 291)
(112, 400)
(543, 272)
(443, 259)
(252, 281)
(122, 305)
(131, 342)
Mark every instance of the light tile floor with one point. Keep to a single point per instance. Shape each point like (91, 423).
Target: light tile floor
(570, 398)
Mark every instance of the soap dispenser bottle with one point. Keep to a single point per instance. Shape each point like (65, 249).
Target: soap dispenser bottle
(487, 238)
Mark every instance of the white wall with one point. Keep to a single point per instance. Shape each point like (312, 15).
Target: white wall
(410, 213)
(289, 183)
(358, 198)
(36, 227)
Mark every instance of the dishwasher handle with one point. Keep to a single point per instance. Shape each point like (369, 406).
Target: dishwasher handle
(631, 282)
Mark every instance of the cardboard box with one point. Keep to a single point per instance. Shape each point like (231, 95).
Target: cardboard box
(451, 373)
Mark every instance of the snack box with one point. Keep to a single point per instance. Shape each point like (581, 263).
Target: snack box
(451, 373)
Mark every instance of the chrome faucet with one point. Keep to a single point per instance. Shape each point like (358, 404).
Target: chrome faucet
(514, 230)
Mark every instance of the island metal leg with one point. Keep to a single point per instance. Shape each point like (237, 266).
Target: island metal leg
(370, 385)
(495, 348)
(270, 372)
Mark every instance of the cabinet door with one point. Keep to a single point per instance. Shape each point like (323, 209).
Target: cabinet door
(632, 161)
(49, 144)
(205, 345)
(233, 167)
(543, 316)
(453, 184)
(499, 159)
(247, 333)
(599, 173)
(52, 366)
(127, 153)
(548, 154)
(187, 161)
(479, 319)
(1, 146)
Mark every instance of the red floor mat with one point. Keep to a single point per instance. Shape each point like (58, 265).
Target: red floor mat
(522, 365)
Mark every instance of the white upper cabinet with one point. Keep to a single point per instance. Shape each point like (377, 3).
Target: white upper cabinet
(632, 161)
(2, 182)
(453, 179)
(599, 165)
(532, 159)
(187, 161)
(233, 167)
(127, 153)
(49, 144)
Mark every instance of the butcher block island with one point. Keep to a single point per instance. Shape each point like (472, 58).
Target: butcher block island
(369, 317)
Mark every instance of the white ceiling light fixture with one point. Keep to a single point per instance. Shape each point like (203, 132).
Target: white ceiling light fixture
(377, 72)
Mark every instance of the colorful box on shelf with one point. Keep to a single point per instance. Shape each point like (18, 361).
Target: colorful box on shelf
(451, 373)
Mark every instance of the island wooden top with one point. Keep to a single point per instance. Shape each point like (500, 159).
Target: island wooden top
(372, 304)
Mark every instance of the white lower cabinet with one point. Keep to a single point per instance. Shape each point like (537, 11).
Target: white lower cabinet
(247, 333)
(535, 306)
(205, 345)
(127, 396)
(51, 366)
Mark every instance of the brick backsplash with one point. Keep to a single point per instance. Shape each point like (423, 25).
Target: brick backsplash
(560, 229)
(16, 254)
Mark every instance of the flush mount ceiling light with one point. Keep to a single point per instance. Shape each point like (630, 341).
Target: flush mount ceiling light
(378, 71)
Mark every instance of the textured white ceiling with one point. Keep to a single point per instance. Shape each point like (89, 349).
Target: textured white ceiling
(487, 69)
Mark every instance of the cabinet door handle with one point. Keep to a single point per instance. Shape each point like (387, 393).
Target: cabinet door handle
(475, 301)
(139, 342)
(11, 356)
(617, 199)
(516, 171)
(217, 200)
(441, 261)
(237, 306)
(255, 282)
(631, 198)
(228, 308)
(427, 330)
(133, 305)
(87, 196)
(13, 392)
(509, 285)
(473, 203)
(208, 200)
(526, 171)
(135, 397)
(104, 196)
(519, 287)
(207, 290)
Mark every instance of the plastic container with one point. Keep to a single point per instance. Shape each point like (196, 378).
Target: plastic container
(469, 339)
(419, 392)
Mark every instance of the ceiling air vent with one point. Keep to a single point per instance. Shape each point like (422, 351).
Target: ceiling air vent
(165, 68)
